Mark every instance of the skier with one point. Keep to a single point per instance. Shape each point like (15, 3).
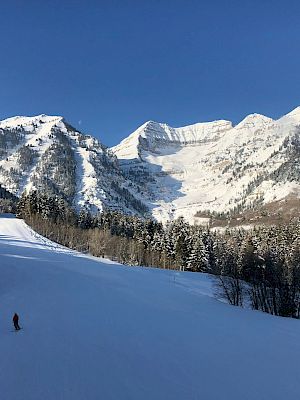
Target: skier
(16, 322)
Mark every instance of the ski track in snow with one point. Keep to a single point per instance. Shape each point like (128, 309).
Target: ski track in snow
(94, 330)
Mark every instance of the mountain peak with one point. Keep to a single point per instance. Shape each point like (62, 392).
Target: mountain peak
(254, 120)
(14, 122)
(294, 115)
(168, 171)
(154, 135)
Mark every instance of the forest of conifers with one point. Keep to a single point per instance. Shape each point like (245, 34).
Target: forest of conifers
(260, 267)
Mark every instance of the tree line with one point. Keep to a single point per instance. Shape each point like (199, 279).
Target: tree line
(260, 267)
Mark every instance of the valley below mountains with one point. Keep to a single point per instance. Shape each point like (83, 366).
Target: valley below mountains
(203, 172)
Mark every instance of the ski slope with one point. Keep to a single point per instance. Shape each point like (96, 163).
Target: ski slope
(93, 330)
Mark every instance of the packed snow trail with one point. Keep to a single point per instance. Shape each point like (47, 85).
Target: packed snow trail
(93, 330)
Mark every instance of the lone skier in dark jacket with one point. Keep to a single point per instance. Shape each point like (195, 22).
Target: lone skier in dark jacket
(16, 322)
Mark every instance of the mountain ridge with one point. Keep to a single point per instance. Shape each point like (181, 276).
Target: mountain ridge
(228, 167)
(157, 170)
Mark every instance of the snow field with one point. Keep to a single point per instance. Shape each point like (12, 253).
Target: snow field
(95, 330)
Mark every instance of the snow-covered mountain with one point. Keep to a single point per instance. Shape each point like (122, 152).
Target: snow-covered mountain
(168, 172)
(45, 153)
(213, 166)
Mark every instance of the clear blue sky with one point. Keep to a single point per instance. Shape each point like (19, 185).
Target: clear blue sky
(108, 66)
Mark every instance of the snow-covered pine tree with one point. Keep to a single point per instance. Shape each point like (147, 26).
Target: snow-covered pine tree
(197, 259)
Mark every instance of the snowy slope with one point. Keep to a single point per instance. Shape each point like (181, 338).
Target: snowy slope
(95, 330)
(213, 166)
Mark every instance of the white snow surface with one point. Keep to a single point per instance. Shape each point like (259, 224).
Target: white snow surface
(93, 329)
